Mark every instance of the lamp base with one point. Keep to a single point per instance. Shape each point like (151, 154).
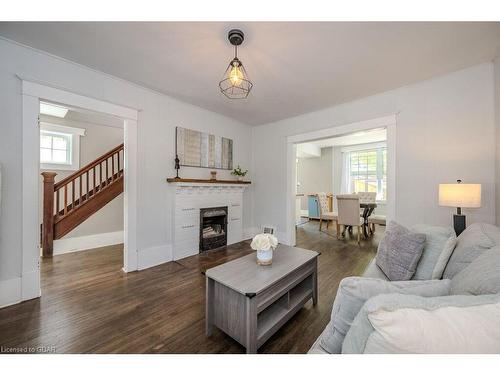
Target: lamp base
(459, 223)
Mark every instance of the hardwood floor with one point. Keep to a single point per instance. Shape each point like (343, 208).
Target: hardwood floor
(89, 306)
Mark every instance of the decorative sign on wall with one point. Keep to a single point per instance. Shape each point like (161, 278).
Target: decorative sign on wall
(197, 149)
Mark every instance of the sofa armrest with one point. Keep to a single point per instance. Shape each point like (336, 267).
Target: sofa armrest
(362, 329)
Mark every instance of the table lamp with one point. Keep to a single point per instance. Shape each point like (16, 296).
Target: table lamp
(460, 195)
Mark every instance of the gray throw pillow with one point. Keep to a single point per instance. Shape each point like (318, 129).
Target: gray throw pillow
(353, 292)
(482, 276)
(399, 252)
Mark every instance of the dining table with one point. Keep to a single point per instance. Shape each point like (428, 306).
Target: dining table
(367, 211)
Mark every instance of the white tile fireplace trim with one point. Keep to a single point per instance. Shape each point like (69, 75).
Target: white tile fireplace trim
(189, 198)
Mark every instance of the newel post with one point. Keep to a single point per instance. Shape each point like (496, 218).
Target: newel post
(48, 213)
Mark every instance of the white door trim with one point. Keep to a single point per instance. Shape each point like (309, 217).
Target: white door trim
(57, 95)
(32, 93)
(388, 122)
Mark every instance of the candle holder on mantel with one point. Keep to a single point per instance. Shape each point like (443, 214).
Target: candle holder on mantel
(213, 175)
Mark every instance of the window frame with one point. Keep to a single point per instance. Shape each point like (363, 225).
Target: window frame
(379, 147)
(73, 134)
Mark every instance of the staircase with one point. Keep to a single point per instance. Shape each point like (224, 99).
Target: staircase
(73, 200)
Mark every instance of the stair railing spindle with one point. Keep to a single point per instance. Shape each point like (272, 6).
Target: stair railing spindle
(57, 202)
(87, 183)
(93, 178)
(65, 199)
(73, 194)
(113, 167)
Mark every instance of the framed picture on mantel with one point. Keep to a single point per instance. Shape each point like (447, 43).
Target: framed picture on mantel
(203, 150)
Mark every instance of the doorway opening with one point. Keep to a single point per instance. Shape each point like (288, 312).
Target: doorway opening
(58, 150)
(81, 203)
(355, 159)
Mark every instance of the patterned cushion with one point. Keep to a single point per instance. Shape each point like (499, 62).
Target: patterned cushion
(399, 252)
(323, 203)
(482, 276)
(439, 245)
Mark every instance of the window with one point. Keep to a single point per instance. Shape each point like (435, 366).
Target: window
(368, 171)
(55, 148)
(59, 147)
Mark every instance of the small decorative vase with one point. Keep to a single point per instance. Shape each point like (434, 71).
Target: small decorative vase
(213, 175)
(240, 178)
(265, 257)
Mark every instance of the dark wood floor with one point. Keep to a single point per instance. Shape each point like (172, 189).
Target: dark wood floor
(89, 306)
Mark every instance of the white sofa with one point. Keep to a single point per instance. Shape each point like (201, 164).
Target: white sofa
(470, 282)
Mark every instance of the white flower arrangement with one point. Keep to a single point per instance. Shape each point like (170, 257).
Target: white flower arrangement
(264, 241)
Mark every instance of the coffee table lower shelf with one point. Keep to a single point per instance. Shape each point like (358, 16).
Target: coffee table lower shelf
(276, 315)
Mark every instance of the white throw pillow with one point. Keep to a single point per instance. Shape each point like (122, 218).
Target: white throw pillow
(449, 329)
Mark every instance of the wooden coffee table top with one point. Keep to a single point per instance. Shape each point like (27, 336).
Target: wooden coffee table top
(244, 275)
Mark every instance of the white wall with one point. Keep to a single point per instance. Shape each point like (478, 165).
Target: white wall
(315, 175)
(98, 140)
(158, 116)
(497, 139)
(445, 130)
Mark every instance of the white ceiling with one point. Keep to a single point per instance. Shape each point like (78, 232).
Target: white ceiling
(295, 67)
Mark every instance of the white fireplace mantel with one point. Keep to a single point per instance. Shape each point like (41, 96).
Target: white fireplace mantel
(189, 198)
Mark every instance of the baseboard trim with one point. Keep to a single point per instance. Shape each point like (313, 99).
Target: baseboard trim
(30, 285)
(282, 238)
(69, 245)
(249, 233)
(10, 291)
(154, 256)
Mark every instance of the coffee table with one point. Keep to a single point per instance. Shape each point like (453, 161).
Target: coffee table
(251, 302)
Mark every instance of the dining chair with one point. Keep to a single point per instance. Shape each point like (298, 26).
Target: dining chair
(367, 197)
(348, 215)
(324, 210)
(376, 220)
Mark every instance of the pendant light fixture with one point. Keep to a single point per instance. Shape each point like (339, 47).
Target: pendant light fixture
(235, 83)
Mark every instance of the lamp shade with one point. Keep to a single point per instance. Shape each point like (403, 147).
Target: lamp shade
(460, 195)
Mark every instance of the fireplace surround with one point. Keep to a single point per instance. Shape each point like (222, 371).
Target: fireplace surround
(189, 197)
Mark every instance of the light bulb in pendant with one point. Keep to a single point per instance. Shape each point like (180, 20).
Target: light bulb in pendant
(235, 75)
